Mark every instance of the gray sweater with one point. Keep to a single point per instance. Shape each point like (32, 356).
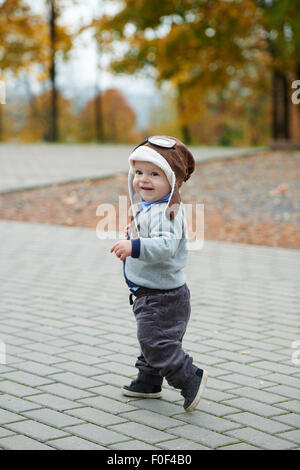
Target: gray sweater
(159, 253)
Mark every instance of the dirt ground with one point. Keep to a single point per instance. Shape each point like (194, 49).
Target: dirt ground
(252, 200)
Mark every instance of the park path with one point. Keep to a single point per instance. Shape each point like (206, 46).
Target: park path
(35, 165)
(68, 340)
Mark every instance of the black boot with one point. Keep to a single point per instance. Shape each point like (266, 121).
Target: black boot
(140, 389)
(193, 389)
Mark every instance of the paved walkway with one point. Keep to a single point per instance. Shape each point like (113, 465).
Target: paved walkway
(70, 341)
(29, 166)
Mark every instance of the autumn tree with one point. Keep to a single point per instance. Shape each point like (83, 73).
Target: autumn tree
(98, 108)
(118, 119)
(238, 115)
(21, 35)
(38, 109)
(59, 40)
(195, 45)
(281, 24)
(200, 46)
(28, 39)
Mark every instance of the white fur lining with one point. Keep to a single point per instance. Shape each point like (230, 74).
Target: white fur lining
(147, 154)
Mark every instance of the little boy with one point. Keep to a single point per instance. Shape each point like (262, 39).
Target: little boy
(154, 256)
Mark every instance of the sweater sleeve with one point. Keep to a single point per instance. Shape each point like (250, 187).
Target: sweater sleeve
(136, 247)
(163, 238)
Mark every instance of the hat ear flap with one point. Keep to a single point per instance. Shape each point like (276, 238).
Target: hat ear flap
(173, 204)
(133, 209)
(190, 165)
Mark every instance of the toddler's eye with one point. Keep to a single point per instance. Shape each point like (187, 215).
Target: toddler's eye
(138, 172)
(154, 173)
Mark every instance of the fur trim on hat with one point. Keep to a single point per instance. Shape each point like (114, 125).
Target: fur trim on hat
(176, 162)
(147, 154)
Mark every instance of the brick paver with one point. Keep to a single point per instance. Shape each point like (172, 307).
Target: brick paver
(70, 339)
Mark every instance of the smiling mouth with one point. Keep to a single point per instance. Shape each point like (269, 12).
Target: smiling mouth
(146, 189)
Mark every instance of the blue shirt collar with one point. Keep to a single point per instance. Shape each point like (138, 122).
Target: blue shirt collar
(146, 205)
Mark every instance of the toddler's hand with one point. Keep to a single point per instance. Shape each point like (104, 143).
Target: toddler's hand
(122, 249)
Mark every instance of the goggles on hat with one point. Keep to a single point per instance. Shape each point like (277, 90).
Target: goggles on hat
(159, 141)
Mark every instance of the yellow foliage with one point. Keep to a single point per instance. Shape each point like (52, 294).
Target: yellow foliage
(192, 44)
(118, 119)
(36, 125)
(25, 38)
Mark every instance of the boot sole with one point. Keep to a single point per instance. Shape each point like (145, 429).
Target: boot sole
(196, 400)
(129, 393)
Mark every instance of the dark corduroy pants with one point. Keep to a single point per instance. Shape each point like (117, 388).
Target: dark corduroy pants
(162, 318)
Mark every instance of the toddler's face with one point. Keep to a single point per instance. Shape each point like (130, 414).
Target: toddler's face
(150, 182)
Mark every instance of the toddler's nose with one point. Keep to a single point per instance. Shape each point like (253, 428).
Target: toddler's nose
(144, 178)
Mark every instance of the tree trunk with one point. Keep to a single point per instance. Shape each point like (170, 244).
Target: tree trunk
(98, 99)
(281, 103)
(1, 123)
(98, 117)
(186, 134)
(275, 126)
(53, 131)
(2, 103)
(298, 78)
(286, 107)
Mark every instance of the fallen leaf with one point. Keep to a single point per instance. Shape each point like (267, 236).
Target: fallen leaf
(70, 200)
(280, 189)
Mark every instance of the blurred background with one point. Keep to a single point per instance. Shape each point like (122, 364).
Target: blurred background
(210, 72)
(86, 81)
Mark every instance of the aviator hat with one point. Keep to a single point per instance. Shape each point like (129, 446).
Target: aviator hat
(173, 157)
